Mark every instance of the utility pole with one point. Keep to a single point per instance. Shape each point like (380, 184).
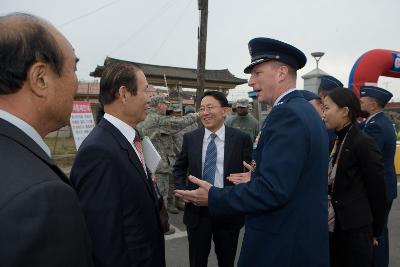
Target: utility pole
(201, 56)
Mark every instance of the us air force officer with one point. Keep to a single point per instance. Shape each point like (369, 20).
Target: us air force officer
(373, 99)
(285, 202)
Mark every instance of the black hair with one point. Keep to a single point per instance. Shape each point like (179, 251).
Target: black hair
(218, 96)
(344, 97)
(114, 76)
(23, 43)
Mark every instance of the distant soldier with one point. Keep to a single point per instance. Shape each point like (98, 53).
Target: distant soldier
(232, 114)
(176, 110)
(161, 129)
(243, 120)
(179, 136)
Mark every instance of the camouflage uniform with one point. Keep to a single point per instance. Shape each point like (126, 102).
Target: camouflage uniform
(178, 137)
(232, 114)
(178, 140)
(247, 123)
(160, 129)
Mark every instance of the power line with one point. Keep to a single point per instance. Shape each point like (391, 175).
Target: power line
(168, 34)
(151, 20)
(88, 13)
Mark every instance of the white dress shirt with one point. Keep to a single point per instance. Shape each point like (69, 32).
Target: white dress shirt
(126, 131)
(26, 128)
(220, 144)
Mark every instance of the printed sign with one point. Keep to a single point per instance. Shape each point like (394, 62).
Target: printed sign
(82, 121)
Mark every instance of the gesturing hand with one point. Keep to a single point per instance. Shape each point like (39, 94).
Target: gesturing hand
(198, 197)
(244, 177)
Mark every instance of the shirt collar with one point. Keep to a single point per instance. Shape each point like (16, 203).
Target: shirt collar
(283, 95)
(220, 133)
(126, 130)
(371, 117)
(26, 128)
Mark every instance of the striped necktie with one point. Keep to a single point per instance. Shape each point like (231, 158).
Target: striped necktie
(138, 145)
(210, 162)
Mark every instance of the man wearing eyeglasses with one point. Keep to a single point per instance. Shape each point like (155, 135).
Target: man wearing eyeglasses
(212, 153)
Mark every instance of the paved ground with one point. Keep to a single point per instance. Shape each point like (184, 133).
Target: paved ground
(177, 246)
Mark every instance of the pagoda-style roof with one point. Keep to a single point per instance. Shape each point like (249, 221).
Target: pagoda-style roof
(185, 77)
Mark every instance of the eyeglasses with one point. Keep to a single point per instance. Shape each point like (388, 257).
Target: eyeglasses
(208, 108)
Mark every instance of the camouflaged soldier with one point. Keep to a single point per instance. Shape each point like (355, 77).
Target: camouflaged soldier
(161, 129)
(243, 120)
(232, 114)
(178, 138)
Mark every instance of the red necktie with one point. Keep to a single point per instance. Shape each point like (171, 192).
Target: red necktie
(138, 145)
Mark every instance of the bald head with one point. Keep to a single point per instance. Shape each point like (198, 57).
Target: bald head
(25, 40)
(38, 82)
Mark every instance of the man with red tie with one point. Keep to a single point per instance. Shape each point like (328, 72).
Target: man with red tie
(114, 187)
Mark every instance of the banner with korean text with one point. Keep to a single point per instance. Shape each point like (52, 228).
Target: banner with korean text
(82, 121)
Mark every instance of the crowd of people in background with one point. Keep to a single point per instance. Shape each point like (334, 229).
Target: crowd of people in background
(313, 184)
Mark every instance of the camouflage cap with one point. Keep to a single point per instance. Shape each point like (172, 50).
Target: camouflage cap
(176, 108)
(242, 103)
(189, 109)
(155, 100)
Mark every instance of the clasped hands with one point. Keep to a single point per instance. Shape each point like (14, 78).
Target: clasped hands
(199, 197)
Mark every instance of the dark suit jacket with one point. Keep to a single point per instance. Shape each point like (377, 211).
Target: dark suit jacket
(118, 201)
(238, 148)
(381, 129)
(41, 223)
(359, 191)
(285, 202)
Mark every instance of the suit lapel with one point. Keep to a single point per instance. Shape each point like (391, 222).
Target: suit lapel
(130, 152)
(228, 149)
(346, 150)
(14, 133)
(198, 146)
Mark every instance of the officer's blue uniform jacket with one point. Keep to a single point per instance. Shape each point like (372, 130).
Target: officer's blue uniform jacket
(285, 202)
(381, 129)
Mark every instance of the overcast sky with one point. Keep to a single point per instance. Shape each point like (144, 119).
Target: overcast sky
(164, 32)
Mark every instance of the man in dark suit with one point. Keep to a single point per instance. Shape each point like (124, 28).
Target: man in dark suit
(212, 153)
(285, 202)
(40, 219)
(373, 100)
(114, 186)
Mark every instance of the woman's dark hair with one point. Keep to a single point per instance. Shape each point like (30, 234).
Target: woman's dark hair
(22, 44)
(113, 77)
(218, 96)
(344, 97)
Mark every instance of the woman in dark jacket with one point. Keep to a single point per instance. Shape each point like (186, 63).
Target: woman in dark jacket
(356, 184)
